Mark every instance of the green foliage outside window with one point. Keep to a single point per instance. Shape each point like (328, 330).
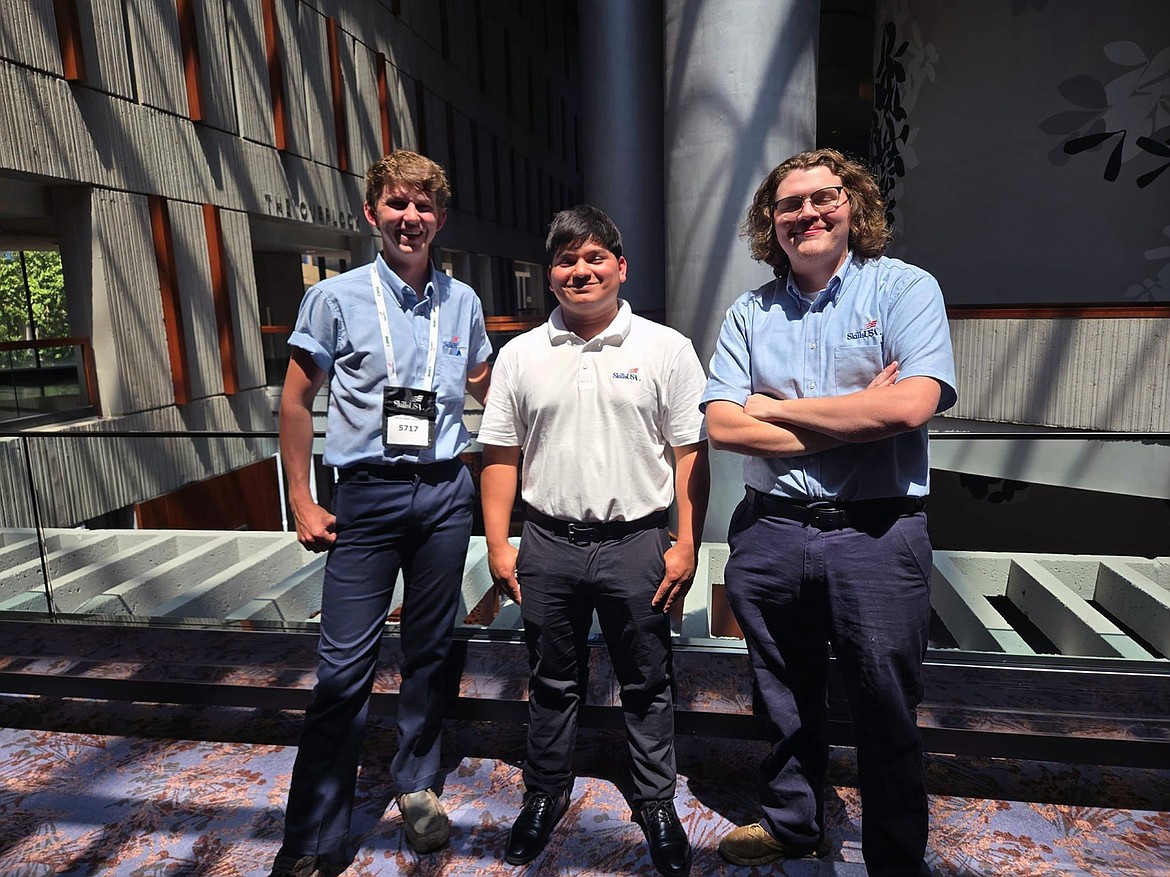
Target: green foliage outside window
(46, 297)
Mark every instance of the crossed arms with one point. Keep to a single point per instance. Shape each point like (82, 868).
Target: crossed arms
(768, 427)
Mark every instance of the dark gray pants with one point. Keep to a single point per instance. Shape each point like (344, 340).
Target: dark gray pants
(795, 589)
(561, 584)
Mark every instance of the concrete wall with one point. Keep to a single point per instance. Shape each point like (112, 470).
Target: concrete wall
(1000, 197)
(1022, 144)
(490, 90)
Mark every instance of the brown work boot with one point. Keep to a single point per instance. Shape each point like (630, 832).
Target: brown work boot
(752, 845)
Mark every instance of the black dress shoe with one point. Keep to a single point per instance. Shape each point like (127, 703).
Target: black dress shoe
(669, 847)
(530, 832)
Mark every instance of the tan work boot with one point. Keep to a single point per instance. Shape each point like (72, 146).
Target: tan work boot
(752, 845)
(426, 825)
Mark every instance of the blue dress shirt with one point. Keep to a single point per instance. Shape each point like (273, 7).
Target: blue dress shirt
(776, 342)
(337, 324)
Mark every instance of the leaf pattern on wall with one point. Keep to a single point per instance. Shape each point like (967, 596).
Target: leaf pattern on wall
(905, 64)
(1128, 116)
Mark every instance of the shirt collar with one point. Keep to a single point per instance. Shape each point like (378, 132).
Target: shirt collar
(397, 286)
(615, 333)
(829, 293)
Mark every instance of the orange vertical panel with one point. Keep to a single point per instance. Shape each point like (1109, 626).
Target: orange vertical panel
(189, 44)
(69, 39)
(332, 37)
(275, 74)
(384, 105)
(168, 281)
(221, 296)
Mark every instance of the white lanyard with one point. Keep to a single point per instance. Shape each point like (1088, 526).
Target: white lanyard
(383, 319)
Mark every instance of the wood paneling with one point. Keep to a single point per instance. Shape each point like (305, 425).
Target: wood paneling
(69, 38)
(168, 281)
(337, 85)
(221, 296)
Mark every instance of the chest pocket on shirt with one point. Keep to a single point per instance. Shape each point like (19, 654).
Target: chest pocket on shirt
(855, 367)
(451, 375)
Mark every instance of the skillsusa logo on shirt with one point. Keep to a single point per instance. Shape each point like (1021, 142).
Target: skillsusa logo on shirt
(869, 330)
(630, 375)
(452, 348)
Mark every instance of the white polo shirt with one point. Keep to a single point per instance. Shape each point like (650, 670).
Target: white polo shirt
(594, 418)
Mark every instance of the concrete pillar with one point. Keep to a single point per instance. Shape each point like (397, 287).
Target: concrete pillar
(621, 135)
(740, 97)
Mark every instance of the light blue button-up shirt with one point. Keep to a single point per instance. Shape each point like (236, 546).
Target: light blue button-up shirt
(337, 324)
(775, 341)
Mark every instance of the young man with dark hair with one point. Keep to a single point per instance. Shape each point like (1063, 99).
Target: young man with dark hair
(399, 342)
(825, 378)
(604, 406)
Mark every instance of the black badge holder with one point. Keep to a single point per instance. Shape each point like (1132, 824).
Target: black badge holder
(408, 417)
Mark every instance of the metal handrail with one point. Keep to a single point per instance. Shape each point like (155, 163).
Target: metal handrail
(942, 435)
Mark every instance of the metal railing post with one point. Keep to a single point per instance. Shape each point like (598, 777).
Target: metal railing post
(36, 509)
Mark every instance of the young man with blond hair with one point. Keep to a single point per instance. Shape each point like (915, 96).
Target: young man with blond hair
(399, 342)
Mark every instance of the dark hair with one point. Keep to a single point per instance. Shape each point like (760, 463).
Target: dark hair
(410, 169)
(573, 227)
(869, 229)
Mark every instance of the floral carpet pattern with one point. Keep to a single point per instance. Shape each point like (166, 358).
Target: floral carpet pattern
(97, 789)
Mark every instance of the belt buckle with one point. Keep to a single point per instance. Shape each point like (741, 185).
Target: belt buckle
(580, 535)
(826, 513)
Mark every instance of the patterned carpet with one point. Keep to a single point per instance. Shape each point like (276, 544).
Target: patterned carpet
(125, 790)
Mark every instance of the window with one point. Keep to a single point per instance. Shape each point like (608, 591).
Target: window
(37, 376)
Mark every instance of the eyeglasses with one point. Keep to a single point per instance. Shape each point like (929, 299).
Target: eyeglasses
(823, 201)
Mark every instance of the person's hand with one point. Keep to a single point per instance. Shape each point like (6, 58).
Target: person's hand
(502, 565)
(680, 573)
(315, 526)
(761, 407)
(886, 377)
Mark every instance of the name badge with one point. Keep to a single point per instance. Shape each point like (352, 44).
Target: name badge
(408, 418)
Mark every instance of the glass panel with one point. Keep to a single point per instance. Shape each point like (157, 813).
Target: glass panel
(24, 549)
(195, 525)
(191, 529)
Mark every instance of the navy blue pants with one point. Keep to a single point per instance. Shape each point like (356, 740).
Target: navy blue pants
(417, 519)
(795, 589)
(561, 584)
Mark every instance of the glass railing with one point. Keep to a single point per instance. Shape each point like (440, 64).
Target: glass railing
(195, 525)
(191, 531)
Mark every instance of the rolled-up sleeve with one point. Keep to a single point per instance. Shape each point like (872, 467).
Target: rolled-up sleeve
(319, 330)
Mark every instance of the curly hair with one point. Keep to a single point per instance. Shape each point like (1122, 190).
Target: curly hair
(869, 229)
(411, 169)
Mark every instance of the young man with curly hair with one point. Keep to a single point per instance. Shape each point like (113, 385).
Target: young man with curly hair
(825, 379)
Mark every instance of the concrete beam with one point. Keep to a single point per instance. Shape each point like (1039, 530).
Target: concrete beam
(1075, 627)
(142, 594)
(214, 596)
(1140, 602)
(294, 598)
(962, 605)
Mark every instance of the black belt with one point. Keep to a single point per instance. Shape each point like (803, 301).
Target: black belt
(444, 470)
(833, 514)
(597, 531)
